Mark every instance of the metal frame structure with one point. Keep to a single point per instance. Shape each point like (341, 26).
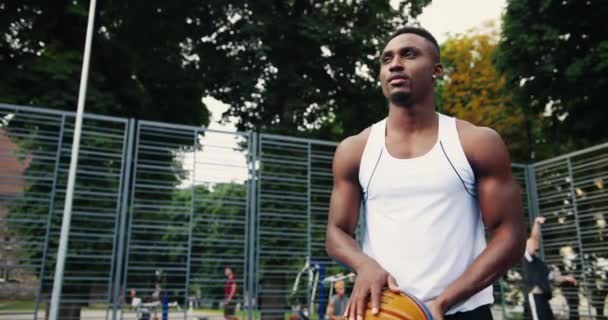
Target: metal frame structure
(45, 136)
(181, 230)
(173, 204)
(294, 183)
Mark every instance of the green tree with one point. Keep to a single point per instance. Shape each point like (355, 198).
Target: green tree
(219, 236)
(554, 54)
(141, 65)
(296, 67)
(307, 67)
(474, 91)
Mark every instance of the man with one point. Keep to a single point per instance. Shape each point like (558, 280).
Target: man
(229, 294)
(429, 184)
(537, 278)
(338, 302)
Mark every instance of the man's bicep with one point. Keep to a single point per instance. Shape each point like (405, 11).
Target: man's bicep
(346, 192)
(344, 207)
(499, 201)
(498, 193)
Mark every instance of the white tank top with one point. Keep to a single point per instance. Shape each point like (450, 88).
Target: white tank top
(420, 223)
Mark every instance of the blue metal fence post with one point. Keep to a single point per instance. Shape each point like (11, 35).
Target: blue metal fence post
(252, 213)
(123, 218)
(190, 224)
(131, 201)
(49, 218)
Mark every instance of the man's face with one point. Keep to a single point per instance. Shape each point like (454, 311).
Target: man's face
(407, 65)
(340, 290)
(227, 272)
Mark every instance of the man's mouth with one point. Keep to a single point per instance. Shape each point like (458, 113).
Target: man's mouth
(397, 80)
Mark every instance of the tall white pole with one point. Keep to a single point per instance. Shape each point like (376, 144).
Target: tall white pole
(69, 194)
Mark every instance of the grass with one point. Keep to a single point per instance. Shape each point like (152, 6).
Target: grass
(19, 305)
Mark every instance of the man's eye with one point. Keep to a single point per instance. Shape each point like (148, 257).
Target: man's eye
(386, 59)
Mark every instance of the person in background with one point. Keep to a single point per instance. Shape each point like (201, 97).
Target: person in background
(338, 302)
(538, 277)
(229, 294)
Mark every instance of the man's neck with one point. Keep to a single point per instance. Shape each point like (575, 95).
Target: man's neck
(408, 119)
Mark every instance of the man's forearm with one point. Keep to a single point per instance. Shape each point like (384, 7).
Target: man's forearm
(535, 232)
(344, 248)
(504, 250)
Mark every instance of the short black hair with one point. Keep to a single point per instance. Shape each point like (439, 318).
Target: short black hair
(417, 31)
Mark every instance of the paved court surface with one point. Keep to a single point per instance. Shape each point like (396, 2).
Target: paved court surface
(101, 315)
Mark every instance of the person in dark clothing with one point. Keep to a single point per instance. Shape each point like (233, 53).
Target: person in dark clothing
(538, 277)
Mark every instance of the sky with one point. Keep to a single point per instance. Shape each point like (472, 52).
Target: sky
(441, 18)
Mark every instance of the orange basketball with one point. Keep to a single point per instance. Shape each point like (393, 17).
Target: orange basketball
(399, 306)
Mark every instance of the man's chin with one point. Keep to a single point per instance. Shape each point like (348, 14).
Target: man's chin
(400, 98)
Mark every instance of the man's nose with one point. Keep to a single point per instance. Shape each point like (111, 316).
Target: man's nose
(395, 65)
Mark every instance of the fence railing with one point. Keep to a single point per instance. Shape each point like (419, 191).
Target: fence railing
(161, 210)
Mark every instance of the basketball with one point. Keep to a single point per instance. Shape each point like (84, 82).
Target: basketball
(399, 306)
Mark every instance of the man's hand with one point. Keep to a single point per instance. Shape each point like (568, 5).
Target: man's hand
(540, 220)
(569, 279)
(437, 311)
(371, 279)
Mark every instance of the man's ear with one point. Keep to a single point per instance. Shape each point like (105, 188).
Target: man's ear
(438, 71)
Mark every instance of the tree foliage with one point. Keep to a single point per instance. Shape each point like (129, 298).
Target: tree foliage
(291, 67)
(139, 65)
(218, 236)
(306, 67)
(554, 54)
(473, 90)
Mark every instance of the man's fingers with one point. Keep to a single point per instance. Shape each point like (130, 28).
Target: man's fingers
(352, 306)
(345, 315)
(361, 305)
(392, 284)
(350, 310)
(375, 299)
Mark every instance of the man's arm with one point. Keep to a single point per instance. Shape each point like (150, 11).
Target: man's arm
(533, 242)
(558, 277)
(499, 200)
(342, 221)
(344, 205)
(564, 278)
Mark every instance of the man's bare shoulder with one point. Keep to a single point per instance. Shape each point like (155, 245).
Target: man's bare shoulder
(355, 143)
(481, 144)
(472, 134)
(349, 152)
